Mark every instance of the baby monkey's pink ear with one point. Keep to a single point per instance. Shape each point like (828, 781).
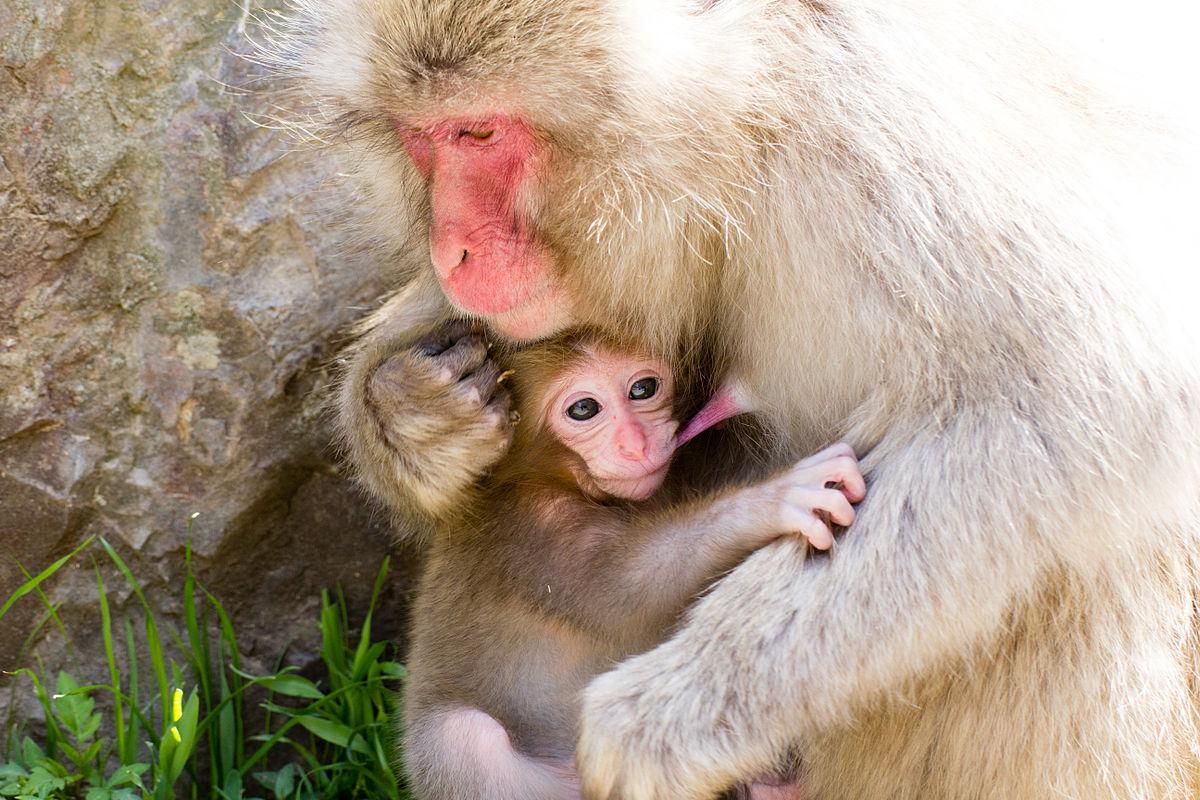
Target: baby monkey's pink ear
(729, 401)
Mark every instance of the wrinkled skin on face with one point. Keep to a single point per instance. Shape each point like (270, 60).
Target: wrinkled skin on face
(614, 411)
(484, 251)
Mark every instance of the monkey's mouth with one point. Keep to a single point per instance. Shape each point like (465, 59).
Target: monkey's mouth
(635, 487)
(537, 317)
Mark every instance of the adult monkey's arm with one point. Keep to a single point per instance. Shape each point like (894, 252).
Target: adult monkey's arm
(951, 534)
(418, 410)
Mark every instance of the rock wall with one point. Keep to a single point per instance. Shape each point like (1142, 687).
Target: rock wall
(172, 293)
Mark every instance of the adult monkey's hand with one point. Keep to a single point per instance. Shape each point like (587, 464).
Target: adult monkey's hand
(657, 728)
(654, 727)
(422, 413)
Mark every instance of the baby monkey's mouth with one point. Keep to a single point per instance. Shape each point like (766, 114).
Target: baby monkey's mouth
(645, 468)
(635, 486)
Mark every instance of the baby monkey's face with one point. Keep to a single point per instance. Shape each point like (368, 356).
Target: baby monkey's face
(614, 410)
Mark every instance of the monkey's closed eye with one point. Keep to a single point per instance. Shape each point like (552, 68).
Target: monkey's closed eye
(583, 409)
(478, 134)
(643, 389)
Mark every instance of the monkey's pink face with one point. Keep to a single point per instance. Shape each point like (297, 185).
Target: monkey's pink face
(614, 410)
(485, 252)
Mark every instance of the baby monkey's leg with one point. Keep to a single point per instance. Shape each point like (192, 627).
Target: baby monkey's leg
(462, 753)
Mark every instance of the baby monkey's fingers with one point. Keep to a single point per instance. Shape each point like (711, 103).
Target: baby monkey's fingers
(833, 451)
(817, 531)
(797, 515)
(833, 504)
(842, 472)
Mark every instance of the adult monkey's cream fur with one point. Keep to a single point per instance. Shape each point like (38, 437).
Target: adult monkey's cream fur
(920, 230)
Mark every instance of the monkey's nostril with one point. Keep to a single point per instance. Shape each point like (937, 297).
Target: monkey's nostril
(447, 256)
(632, 451)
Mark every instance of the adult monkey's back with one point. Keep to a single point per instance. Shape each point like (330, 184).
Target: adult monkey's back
(917, 230)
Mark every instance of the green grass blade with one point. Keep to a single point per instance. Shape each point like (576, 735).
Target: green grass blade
(34, 632)
(197, 649)
(114, 673)
(309, 757)
(31, 584)
(197, 642)
(267, 745)
(53, 730)
(379, 580)
(333, 642)
(227, 727)
(159, 665)
(131, 666)
(364, 640)
(153, 641)
(52, 612)
(189, 732)
(229, 637)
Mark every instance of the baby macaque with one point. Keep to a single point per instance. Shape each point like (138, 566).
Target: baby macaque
(573, 555)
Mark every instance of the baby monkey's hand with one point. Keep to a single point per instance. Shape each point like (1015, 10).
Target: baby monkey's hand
(817, 491)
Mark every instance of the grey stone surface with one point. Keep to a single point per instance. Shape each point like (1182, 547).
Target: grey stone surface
(172, 291)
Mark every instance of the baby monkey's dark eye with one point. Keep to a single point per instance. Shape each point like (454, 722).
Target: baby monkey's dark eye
(643, 389)
(583, 409)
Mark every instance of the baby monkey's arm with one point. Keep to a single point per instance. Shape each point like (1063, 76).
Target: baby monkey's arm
(631, 575)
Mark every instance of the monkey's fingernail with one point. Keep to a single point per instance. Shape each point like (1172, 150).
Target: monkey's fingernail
(503, 376)
(514, 417)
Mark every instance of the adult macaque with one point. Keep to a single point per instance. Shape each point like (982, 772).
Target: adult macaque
(544, 575)
(912, 225)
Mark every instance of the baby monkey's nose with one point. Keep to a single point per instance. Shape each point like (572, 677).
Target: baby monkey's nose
(631, 442)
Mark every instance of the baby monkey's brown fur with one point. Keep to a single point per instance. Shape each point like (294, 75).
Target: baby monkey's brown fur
(536, 586)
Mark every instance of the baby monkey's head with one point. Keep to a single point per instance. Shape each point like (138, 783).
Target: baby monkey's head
(615, 411)
(609, 405)
(612, 407)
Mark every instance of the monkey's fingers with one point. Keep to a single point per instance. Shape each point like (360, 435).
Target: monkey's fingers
(842, 471)
(462, 358)
(499, 412)
(389, 379)
(809, 524)
(833, 503)
(481, 384)
(444, 336)
(841, 449)
(817, 531)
